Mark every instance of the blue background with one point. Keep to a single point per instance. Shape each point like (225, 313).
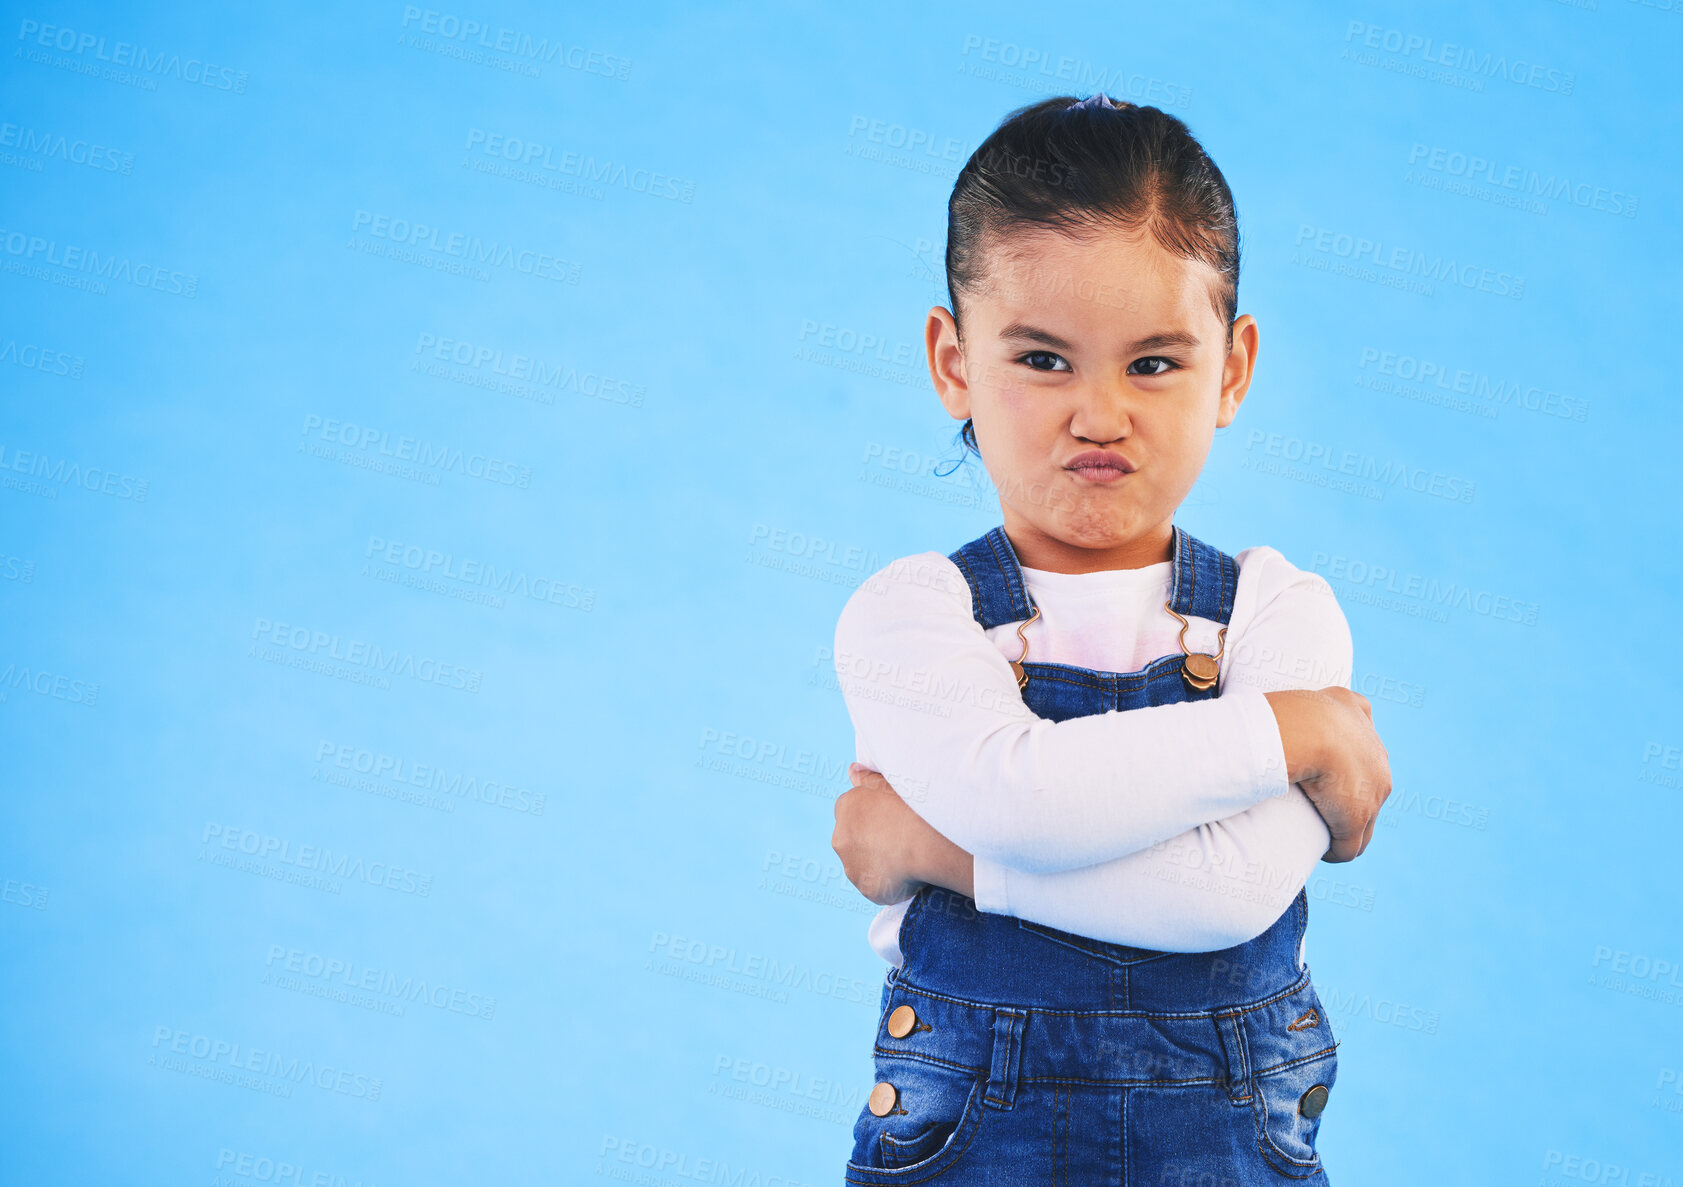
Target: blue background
(665, 965)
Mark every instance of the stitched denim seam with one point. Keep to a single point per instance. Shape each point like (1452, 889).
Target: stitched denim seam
(1276, 1068)
(1101, 950)
(1270, 1150)
(1112, 1081)
(1235, 1044)
(1161, 668)
(1189, 1016)
(923, 1057)
(1191, 574)
(1006, 558)
(1008, 1062)
(1179, 575)
(941, 1155)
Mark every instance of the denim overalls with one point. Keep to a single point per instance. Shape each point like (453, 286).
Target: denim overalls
(1008, 1052)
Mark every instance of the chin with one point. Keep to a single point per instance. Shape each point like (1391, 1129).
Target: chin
(1097, 523)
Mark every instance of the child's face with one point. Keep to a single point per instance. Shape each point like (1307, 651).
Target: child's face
(1109, 343)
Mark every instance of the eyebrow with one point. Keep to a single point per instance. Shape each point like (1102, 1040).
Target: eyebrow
(1170, 338)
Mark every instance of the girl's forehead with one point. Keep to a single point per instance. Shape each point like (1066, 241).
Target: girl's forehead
(1104, 285)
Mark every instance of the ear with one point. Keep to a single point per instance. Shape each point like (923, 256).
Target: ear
(946, 363)
(1236, 373)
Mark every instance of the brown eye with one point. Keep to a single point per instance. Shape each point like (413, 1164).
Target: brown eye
(1044, 360)
(1166, 365)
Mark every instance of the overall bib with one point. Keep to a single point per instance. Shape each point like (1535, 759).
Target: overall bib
(1008, 1052)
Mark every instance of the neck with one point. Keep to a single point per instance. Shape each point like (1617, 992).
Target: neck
(1037, 550)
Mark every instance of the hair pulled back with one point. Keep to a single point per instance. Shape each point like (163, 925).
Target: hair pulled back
(1082, 166)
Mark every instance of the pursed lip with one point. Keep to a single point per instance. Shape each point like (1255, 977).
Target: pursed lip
(1097, 463)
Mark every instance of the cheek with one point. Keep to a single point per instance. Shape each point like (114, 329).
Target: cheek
(1012, 420)
(1192, 445)
(1027, 412)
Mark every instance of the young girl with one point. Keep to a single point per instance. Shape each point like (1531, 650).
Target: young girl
(1103, 778)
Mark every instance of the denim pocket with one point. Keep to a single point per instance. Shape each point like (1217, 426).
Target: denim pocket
(936, 1113)
(1288, 1102)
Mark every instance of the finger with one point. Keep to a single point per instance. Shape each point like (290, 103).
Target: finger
(873, 781)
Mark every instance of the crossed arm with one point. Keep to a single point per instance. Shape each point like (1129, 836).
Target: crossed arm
(1197, 840)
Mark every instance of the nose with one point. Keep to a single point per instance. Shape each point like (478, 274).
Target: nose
(1101, 412)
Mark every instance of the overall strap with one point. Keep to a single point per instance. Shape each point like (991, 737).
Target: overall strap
(997, 593)
(1205, 579)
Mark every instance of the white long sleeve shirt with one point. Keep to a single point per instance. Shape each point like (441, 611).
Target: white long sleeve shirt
(1170, 827)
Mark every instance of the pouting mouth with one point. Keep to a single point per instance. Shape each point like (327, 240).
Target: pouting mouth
(1100, 460)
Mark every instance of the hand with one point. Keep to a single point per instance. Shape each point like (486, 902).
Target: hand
(887, 850)
(1334, 754)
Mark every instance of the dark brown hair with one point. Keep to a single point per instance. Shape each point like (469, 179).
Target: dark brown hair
(1079, 169)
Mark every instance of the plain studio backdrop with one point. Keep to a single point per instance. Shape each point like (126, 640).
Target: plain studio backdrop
(437, 444)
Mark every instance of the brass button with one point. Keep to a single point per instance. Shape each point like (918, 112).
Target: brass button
(901, 1021)
(1312, 1102)
(882, 1098)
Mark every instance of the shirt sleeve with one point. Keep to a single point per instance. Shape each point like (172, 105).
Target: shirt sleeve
(1224, 882)
(937, 710)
